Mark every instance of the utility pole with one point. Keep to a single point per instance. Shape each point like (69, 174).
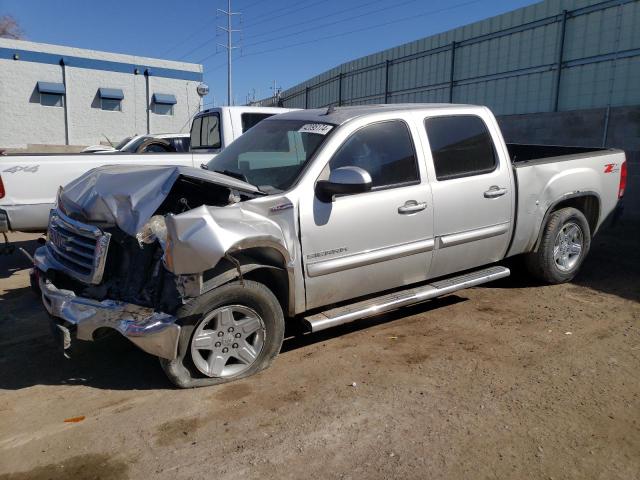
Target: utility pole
(251, 97)
(229, 46)
(276, 91)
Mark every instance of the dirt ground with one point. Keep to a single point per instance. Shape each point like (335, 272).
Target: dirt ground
(512, 380)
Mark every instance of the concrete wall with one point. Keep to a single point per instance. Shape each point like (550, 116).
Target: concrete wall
(22, 118)
(518, 62)
(24, 121)
(188, 104)
(585, 128)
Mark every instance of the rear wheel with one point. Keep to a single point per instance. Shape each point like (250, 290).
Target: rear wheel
(565, 242)
(229, 333)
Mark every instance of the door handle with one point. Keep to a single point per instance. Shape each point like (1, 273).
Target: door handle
(411, 206)
(495, 192)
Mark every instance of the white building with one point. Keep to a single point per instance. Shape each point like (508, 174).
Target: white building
(56, 95)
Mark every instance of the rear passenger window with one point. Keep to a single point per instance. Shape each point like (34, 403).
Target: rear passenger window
(461, 146)
(210, 133)
(385, 150)
(251, 119)
(196, 126)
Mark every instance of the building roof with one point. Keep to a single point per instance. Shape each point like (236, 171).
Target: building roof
(18, 51)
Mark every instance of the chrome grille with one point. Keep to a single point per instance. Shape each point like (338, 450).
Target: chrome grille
(79, 249)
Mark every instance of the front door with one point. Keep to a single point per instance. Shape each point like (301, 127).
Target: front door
(373, 241)
(472, 194)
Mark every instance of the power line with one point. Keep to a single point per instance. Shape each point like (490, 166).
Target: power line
(347, 19)
(195, 33)
(278, 10)
(349, 32)
(365, 4)
(189, 37)
(252, 4)
(195, 49)
(206, 42)
(202, 60)
(283, 14)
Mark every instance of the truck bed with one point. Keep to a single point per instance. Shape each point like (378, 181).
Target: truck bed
(546, 175)
(531, 153)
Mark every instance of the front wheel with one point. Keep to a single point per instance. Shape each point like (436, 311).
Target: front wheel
(229, 333)
(565, 242)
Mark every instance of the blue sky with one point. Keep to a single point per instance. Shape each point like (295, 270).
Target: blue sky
(281, 40)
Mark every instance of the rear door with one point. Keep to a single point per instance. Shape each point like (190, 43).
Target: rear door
(472, 193)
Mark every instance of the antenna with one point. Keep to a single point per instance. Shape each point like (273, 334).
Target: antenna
(229, 46)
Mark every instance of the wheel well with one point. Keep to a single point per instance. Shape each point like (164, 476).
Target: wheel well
(275, 280)
(589, 205)
(267, 267)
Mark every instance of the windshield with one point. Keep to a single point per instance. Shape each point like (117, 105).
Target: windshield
(273, 153)
(132, 145)
(122, 143)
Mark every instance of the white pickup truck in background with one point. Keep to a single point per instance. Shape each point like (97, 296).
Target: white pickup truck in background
(29, 183)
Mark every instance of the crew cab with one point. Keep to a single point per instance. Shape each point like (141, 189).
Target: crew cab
(28, 183)
(315, 217)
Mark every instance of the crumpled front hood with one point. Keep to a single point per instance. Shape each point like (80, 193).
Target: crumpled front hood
(128, 195)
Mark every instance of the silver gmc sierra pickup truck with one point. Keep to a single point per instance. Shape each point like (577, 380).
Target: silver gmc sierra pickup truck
(320, 217)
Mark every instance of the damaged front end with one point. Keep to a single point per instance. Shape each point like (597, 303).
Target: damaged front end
(127, 246)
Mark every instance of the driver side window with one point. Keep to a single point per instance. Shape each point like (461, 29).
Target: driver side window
(383, 149)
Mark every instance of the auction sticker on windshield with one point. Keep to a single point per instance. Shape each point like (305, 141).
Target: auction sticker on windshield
(319, 128)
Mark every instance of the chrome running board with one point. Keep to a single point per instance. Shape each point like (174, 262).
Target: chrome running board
(395, 300)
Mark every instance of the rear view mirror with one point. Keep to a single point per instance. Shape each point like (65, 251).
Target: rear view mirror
(343, 181)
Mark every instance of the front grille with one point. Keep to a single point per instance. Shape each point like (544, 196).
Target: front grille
(80, 249)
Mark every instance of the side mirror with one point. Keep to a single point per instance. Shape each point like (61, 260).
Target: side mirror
(343, 181)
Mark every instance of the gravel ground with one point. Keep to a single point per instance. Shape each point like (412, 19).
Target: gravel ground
(512, 380)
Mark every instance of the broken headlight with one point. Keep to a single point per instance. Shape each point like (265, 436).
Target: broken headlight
(154, 229)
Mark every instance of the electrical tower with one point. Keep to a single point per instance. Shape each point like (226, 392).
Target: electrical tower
(229, 46)
(276, 91)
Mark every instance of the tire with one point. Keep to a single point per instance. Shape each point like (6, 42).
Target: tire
(217, 321)
(564, 229)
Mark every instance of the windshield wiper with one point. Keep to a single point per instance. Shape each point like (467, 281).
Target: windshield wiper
(238, 176)
(231, 173)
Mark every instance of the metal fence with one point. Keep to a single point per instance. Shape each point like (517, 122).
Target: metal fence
(552, 56)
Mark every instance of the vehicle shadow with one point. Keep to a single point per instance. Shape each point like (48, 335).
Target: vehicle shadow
(12, 262)
(112, 363)
(32, 358)
(612, 266)
(297, 337)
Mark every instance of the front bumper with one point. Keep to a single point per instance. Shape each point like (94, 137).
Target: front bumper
(154, 332)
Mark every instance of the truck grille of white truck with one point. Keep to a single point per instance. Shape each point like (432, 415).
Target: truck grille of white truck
(80, 249)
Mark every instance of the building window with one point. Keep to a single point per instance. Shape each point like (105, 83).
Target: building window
(51, 94)
(111, 99)
(162, 109)
(163, 103)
